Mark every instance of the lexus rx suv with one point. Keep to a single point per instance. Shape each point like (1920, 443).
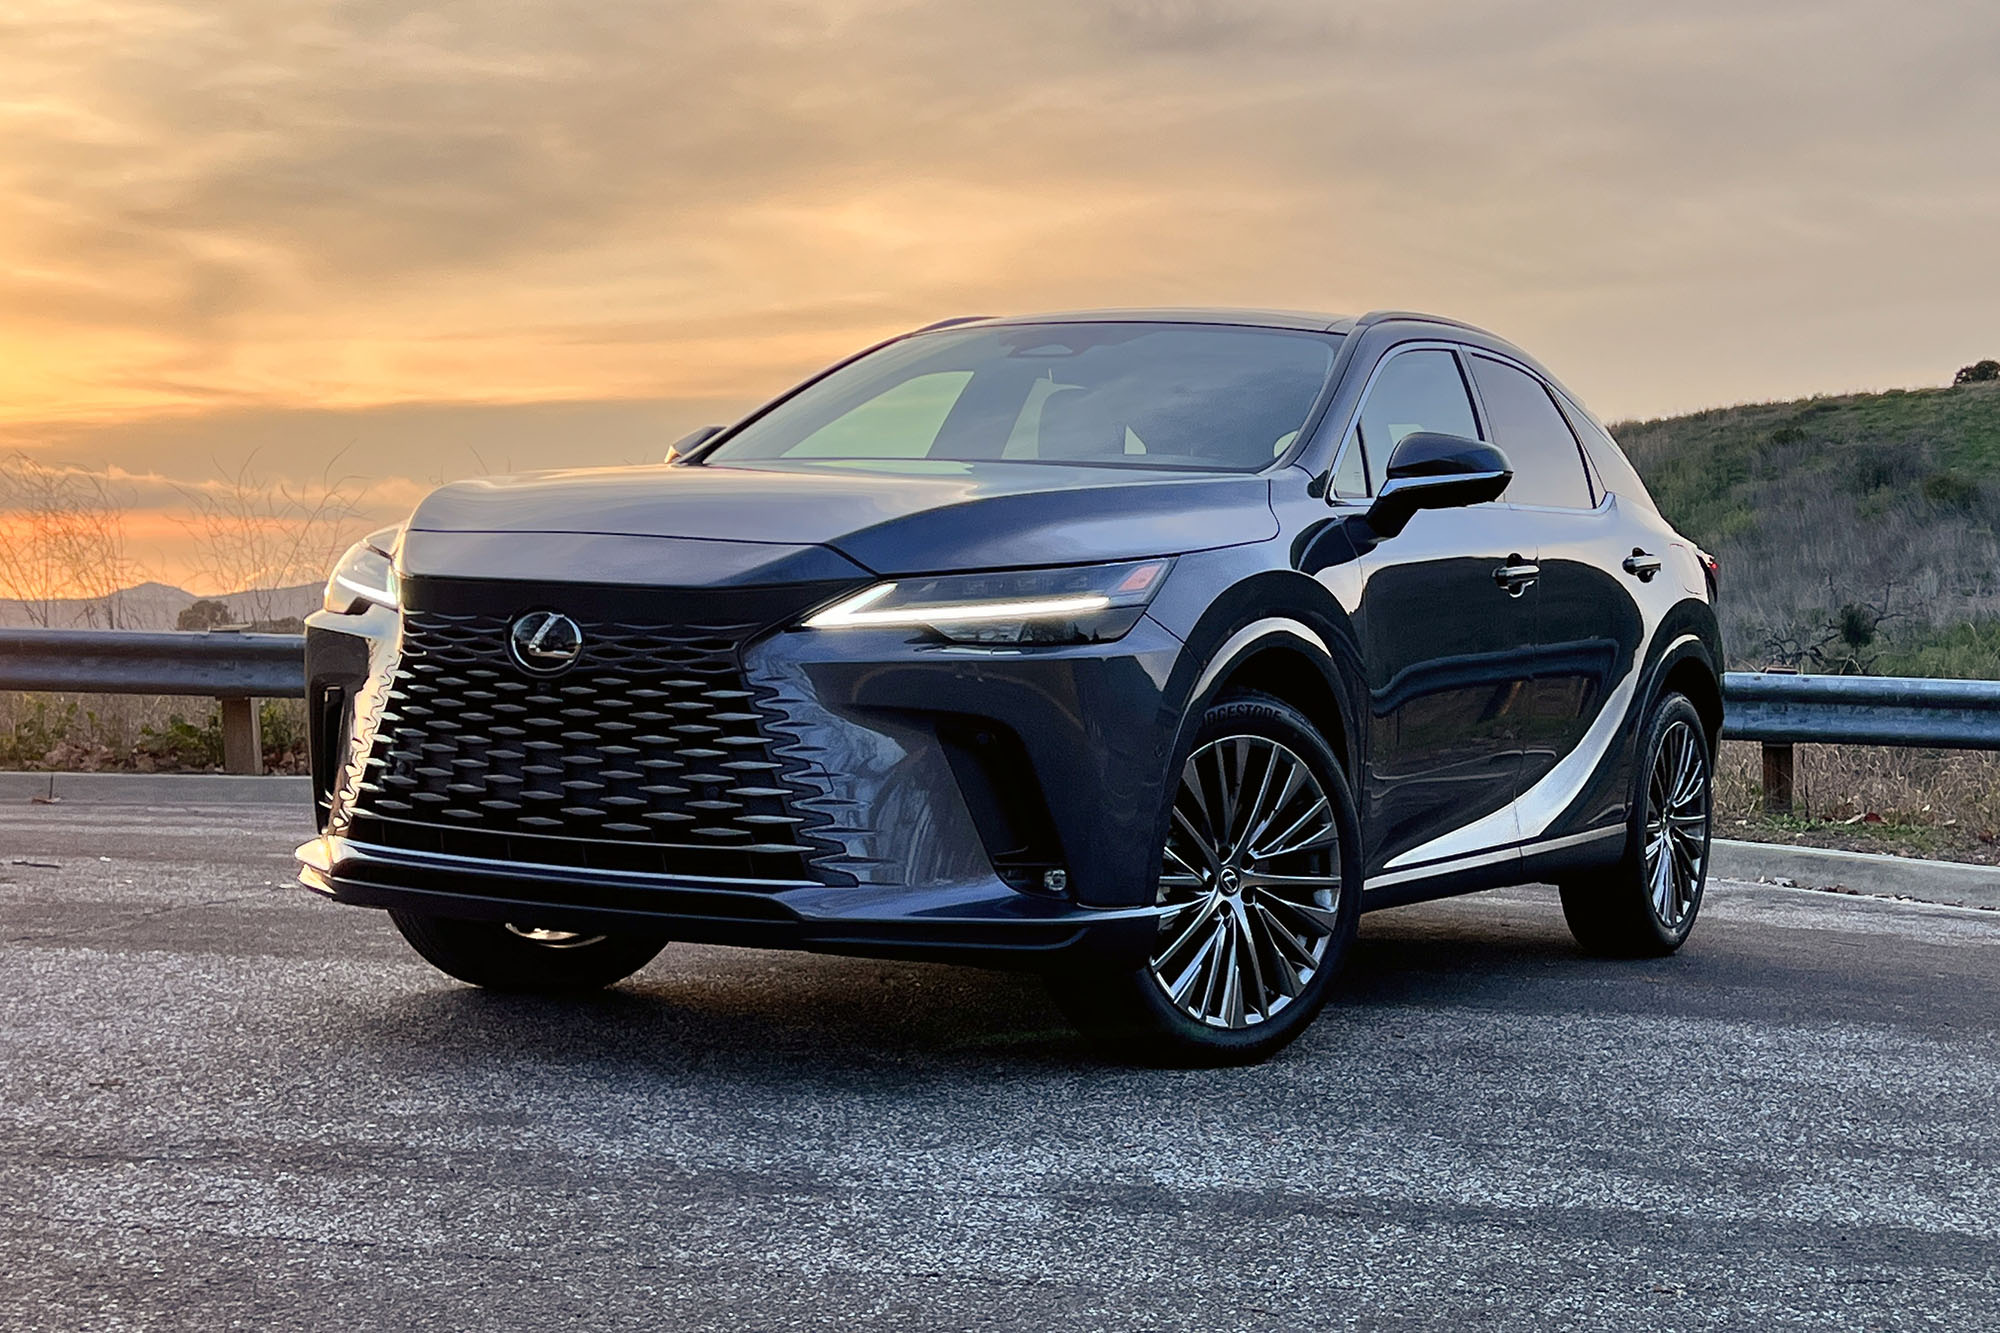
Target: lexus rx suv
(1146, 649)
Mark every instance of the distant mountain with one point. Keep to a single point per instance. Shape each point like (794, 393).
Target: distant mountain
(158, 606)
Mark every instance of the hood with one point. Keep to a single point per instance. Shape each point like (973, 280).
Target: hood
(919, 518)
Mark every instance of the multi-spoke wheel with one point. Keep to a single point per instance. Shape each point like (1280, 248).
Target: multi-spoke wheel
(1677, 823)
(1257, 899)
(519, 957)
(1251, 883)
(1647, 904)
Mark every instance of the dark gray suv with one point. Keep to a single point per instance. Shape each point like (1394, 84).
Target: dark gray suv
(1143, 648)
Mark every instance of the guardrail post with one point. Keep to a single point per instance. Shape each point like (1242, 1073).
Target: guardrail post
(1777, 779)
(242, 737)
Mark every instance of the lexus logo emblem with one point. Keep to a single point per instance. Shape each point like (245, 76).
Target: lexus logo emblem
(545, 642)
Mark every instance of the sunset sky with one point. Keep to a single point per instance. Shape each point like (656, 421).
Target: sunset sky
(445, 239)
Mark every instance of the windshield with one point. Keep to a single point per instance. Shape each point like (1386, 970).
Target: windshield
(1201, 396)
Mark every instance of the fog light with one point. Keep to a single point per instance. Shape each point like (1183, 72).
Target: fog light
(1056, 881)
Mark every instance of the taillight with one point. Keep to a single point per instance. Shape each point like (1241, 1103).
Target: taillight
(1713, 568)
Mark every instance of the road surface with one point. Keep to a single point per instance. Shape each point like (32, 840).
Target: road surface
(226, 1104)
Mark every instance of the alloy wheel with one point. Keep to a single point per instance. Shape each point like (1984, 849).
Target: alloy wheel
(1677, 815)
(1250, 883)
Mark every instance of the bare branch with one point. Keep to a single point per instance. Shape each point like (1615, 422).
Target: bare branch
(62, 543)
(256, 537)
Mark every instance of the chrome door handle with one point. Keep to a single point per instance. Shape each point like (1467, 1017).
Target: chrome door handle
(1642, 564)
(1516, 575)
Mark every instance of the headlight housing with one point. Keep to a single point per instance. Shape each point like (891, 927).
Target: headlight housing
(1075, 604)
(365, 575)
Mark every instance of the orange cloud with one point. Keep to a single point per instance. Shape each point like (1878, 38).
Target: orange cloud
(331, 230)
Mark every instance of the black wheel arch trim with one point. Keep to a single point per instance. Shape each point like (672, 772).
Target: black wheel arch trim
(1289, 615)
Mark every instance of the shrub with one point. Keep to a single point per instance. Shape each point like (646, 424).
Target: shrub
(1969, 650)
(283, 722)
(39, 728)
(1886, 470)
(180, 743)
(149, 733)
(1979, 372)
(1951, 490)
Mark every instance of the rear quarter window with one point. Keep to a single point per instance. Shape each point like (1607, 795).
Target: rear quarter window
(1613, 469)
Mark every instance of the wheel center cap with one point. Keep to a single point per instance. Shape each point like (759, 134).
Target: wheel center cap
(1230, 880)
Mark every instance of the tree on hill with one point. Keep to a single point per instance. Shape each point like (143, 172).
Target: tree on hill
(206, 613)
(1979, 372)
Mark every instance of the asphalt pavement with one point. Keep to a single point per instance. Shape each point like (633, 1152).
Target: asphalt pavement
(226, 1104)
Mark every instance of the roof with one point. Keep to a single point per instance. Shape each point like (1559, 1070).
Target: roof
(1270, 319)
(1315, 321)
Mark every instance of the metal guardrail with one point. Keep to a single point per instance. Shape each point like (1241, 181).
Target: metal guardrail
(220, 664)
(227, 665)
(1862, 710)
(237, 668)
(1783, 710)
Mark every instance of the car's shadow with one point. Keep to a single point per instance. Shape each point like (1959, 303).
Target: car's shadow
(837, 1019)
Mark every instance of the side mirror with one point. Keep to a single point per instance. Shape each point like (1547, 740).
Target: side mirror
(1430, 470)
(691, 441)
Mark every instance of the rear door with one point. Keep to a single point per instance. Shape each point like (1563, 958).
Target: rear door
(1448, 646)
(1588, 620)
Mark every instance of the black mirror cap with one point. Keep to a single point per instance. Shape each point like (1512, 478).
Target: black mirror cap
(1432, 470)
(1430, 453)
(690, 442)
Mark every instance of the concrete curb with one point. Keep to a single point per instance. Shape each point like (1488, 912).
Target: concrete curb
(1862, 872)
(160, 789)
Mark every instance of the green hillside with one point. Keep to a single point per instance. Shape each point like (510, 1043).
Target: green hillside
(1855, 533)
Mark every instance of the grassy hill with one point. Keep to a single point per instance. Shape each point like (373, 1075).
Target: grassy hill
(1855, 533)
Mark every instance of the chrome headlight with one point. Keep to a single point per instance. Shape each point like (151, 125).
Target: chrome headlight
(1077, 604)
(365, 574)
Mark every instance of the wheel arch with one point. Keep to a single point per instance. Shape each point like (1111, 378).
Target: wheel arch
(1693, 678)
(1690, 664)
(1304, 655)
(1286, 670)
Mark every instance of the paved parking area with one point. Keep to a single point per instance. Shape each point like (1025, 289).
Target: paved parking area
(224, 1104)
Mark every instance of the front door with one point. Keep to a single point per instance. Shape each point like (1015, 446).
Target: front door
(1450, 652)
(1446, 620)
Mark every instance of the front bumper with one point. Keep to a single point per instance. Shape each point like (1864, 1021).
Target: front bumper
(941, 785)
(991, 924)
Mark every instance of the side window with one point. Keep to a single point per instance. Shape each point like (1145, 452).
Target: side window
(1614, 469)
(1420, 390)
(1548, 464)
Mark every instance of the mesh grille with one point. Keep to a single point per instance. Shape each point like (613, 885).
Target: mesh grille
(651, 753)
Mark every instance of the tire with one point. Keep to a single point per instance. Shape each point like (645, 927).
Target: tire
(1262, 903)
(1646, 905)
(521, 958)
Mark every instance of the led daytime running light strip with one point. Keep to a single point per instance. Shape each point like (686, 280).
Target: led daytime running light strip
(853, 612)
(379, 596)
